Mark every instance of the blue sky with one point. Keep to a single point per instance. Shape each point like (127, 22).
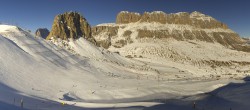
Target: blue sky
(32, 14)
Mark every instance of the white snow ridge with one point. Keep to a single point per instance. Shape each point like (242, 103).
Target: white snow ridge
(49, 77)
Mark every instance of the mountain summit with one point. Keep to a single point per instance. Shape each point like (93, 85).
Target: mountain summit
(70, 25)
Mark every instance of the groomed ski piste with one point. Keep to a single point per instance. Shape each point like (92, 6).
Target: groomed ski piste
(48, 77)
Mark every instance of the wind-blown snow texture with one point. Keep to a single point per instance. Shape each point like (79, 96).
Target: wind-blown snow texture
(45, 75)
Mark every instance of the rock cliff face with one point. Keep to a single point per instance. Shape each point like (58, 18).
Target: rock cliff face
(70, 25)
(42, 32)
(196, 19)
(125, 17)
(110, 31)
(131, 27)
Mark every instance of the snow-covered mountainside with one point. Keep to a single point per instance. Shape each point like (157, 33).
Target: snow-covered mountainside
(197, 40)
(46, 71)
(132, 27)
(43, 74)
(75, 74)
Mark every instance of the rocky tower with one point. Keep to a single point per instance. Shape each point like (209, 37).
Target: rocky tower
(70, 25)
(42, 32)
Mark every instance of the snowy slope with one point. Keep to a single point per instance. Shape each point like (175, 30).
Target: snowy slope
(194, 56)
(93, 78)
(205, 59)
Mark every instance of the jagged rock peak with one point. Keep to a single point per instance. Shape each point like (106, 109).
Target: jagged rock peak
(70, 25)
(195, 19)
(42, 32)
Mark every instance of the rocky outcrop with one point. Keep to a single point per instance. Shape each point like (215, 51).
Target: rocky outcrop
(42, 32)
(70, 25)
(159, 25)
(201, 35)
(105, 42)
(111, 31)
(125, 17)
(196, 19)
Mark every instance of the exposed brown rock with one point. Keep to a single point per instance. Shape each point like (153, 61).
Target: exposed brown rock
(215, 63)
(156, 34)
(244, 48)
(226, 39)
(125, 17)
(104, 43)
(111, 31)
(196, 19)
(127, 33)
(120, 43)
(70, 25)
(154, 17)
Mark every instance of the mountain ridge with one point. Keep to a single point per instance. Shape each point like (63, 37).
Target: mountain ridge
(143, 61)
(195, 18)
(180, 26)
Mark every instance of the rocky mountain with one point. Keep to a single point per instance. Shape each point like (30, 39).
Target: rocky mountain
(70, 25)
(42, 32)
(184, 38)
(53, 76)
(195, 19)
(183, 26)
(146, 59)
(193, 39)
